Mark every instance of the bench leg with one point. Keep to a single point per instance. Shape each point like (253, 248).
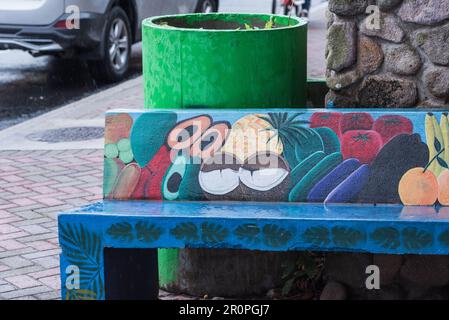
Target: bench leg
(131, 274)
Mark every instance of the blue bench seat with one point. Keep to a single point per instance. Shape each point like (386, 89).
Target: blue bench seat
(393, 229)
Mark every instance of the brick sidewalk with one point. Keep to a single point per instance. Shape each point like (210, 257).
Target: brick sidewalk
(34, 187)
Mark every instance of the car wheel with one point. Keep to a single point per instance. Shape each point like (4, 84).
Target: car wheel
(206, 6)
(117, 48)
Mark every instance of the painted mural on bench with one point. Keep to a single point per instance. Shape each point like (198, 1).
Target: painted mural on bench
(280, 155)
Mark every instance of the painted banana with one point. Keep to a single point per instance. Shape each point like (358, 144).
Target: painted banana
(435, 142)
(444, 124)
(430, 138)
(439, 137)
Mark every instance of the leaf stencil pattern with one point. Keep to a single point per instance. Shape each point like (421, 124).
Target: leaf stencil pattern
(444, 238)
(121, 231)
(416, 239)
(275, 236)
(79, 294)
(248, 233)
(347, 237)
(142, 231)
(185, 231)
(83, 249)
(317, 236)
(388, 238)
(213, 233)
(147, 232)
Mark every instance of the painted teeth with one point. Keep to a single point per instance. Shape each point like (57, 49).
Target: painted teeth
(220, 182)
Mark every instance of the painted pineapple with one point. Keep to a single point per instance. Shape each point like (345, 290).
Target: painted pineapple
(273, 132)
(250, 135)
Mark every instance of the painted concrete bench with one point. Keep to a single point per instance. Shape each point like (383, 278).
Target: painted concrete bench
(275, 180)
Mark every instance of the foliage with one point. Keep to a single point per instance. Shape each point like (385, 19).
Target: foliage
(303, 274)
(83, 249)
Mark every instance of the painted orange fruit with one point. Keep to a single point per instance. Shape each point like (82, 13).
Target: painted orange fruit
(443, 188)
(418, 187)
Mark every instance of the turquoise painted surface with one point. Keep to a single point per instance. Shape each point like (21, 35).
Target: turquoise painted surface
(392, 229)
(367, 152)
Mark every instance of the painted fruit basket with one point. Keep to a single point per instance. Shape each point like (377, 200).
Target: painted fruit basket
(224, 61)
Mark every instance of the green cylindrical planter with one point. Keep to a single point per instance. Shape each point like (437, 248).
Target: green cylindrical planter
(224, 61)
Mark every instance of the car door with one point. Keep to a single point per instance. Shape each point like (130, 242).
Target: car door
(30, 12)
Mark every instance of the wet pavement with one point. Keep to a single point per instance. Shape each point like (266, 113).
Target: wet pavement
(31, 86)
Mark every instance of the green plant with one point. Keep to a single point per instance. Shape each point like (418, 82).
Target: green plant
(303, 274)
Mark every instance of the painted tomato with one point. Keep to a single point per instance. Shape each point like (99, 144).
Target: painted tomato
(326, 119)
(356, 121)
(390, 126)
(361, 144)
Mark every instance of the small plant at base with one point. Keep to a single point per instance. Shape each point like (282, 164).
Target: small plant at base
(301, 277)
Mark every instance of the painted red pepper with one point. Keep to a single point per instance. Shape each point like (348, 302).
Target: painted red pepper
(150, 182)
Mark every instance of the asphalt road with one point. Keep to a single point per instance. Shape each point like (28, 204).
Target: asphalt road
(30, 86)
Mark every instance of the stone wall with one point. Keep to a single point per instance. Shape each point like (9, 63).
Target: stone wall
(396, 55)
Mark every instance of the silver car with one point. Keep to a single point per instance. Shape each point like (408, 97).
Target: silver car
(99, 31)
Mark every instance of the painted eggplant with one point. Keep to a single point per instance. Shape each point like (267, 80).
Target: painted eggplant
(302, 189)
(348, 190)
(321, 190)
(399, 155)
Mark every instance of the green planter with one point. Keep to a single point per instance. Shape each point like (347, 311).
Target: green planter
(213, 61)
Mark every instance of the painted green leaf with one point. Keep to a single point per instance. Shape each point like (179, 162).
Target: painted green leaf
(416, 239)
(83, 249)
(185, 230)
(442, 163)
(147, 232)
(347, 237)
(121, 231)
(212, 232)
(317, 236)
(248, 233)
(388, 238)
(275, 236)
(437, 145)
(79, 294)
(444, 238)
